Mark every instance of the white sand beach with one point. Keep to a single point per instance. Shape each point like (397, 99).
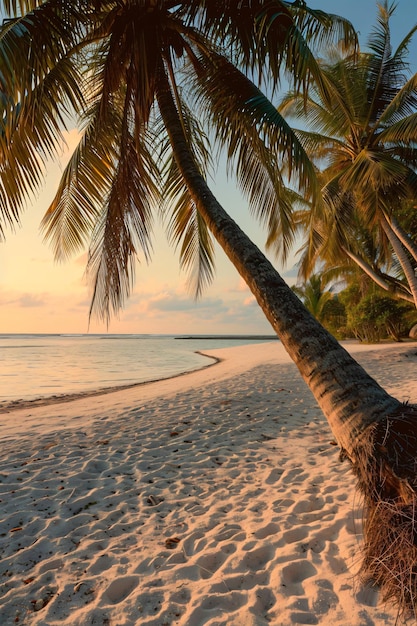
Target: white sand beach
(215, 498)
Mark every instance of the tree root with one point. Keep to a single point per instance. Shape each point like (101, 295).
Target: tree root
(390, 554)
(386, 468)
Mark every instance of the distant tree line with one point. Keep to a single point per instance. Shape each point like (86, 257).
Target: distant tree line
(360, 310)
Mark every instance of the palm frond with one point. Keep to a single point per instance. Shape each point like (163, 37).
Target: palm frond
(244, 118)
(402, 104)
(410, 187)
(185, 228)
(255, 31)
(338, 109)
(34, 113)
(322, 29)
(313, 113)
(31, 45)
(373, 171)
(109, 192)
(403, 47)
(403, 132)
(84, 185)
(20, 7)
(188, 231)
(259, 144)
(313, 31)
(123, 231)
(379, 43)
(322, 148)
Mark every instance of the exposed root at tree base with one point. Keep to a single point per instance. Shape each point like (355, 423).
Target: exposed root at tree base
(386, 467)
(390, 554)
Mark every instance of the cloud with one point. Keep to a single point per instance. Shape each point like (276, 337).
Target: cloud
(171, 301)
(242, 286)
(250, 301)
(172, 311)
(23, 300)
(28, 300)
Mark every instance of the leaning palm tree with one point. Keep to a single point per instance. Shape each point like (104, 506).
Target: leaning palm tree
(362, 134)
(132, 68)
(345, 246)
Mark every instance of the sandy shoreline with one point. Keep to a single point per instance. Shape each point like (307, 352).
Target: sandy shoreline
(212, 498)
(14, 405)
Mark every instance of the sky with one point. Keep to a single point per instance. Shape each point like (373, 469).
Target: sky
(38, 295)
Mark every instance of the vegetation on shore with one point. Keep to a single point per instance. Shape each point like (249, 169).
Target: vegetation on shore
(357, 308)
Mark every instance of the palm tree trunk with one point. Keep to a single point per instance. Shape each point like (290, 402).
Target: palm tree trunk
(348, 396)
(402, 257)
(377, 278)
(375, 431)
(403, 236)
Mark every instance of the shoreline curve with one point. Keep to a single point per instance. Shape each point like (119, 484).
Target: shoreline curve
(15, 405)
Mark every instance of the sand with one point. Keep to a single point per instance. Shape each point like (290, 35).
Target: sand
(213, 498)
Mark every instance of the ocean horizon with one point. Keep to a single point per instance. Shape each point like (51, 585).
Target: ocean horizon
(35, 366)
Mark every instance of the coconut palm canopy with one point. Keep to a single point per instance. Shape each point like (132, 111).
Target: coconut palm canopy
(362, 135)
(106, 63)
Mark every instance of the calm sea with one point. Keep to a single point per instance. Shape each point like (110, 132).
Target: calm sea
(37, 366)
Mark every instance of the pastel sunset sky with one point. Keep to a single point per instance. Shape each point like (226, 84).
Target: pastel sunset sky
(38, 295)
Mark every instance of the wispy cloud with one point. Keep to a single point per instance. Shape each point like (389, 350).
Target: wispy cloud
(28, 300)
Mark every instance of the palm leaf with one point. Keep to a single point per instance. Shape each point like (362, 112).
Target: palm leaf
(123, 230)
(84, 185)
(186, 229)
(244, 118)
(189, 232)
(403, 132)
(322, 29)
(35, 112)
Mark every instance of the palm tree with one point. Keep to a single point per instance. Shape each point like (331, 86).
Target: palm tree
(362, 251)
(314, 295)
(362, 137)
(131, 67)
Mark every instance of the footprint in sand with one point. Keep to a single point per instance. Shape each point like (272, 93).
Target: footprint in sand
(265, 599)
(294, 574)
(208, 564)
(194, 543)
(51, 565)
(267, 531)
(214, 604)
(296, 534)
(241, 582)
(304, 618)
(368, 595)
(229, 531)
(120, 588)
(101, 564)
(325, 599)
(274, 476)
(256, 560)
(307, 506)
(294, 477)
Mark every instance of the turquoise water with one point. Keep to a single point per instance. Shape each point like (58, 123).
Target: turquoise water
(37, 366)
